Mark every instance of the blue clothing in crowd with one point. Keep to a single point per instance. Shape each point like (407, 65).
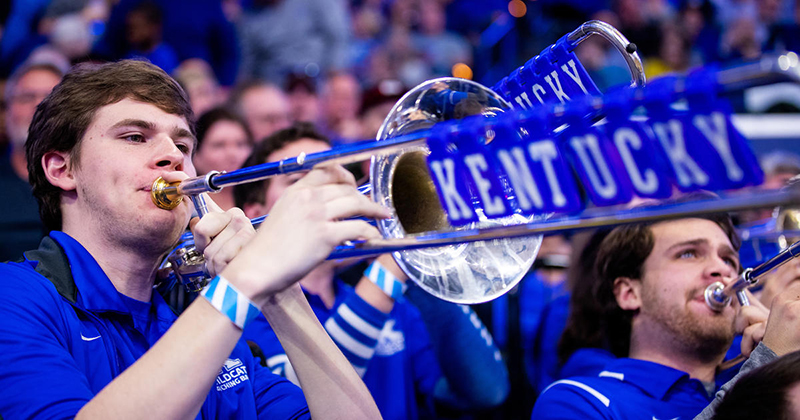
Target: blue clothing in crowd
(625, 389)
(391, 352)
(66, 332)
(20, 226)
(194, 28)
(542, 362)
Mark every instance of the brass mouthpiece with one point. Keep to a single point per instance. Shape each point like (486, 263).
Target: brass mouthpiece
(165, 195)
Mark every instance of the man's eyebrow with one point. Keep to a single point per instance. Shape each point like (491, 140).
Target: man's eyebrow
(694, 242)
(182, 133)
(133, 122)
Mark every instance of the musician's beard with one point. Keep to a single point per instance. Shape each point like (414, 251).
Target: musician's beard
(703, 334)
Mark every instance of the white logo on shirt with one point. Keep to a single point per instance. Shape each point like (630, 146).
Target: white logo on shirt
(390, 341)
(233, 373)
(84, 338)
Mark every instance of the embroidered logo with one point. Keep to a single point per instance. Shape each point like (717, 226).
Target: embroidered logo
(84, 338)
(390, 341)
(233, 373)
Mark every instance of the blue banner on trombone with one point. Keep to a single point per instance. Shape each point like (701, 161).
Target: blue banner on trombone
(554, 76)
(539, 161)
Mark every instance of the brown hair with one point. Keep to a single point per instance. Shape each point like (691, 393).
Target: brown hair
(254, 192)
(63, 117)
(215, 115)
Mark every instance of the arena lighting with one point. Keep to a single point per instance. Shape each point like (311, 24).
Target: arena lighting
(462, 71)
(517, 8)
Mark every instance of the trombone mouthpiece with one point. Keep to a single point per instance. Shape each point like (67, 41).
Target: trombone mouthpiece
(165, 195)
(715, 298)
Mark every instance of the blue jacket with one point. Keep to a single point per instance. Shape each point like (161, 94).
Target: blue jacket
(626, 389)
(65, 333)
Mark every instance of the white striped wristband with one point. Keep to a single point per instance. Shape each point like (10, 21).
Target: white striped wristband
(230, 302)
(385, 280)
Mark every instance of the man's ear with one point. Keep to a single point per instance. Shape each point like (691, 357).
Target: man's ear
(57, 170)
(628, 293)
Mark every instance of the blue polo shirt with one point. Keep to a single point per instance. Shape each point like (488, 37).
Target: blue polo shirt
(625, 389)
(65, 333)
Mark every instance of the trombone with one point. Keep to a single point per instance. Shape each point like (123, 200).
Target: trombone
(497, 252)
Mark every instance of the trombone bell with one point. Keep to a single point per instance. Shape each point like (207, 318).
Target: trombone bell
(416, 202)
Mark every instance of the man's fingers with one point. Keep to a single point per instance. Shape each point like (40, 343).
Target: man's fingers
(749, 315)
(215, 223)
(329, 174)
(354, 205)
(350, 230)
(208, 227)
(220, 259)
(751, 336)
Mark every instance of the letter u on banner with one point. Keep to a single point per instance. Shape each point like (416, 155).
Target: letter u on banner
(635, 145)
(598, 165)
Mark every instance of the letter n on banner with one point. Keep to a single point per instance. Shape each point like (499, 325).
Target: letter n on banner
(535, 168)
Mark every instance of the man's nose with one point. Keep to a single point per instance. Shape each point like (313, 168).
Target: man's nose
(721, 270)
(169, 156)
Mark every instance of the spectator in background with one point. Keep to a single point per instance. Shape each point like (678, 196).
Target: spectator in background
(673, 52)
(779, 167)
(304, 100)
(20, 226)
(197, 78)
(369, 23)
(264, 107)
(596, 57)
(341, 101)
(698, 19)
(441, 49)
(143, 32)
(786, 36)
(740, 40)
(194, 28)
(280, 37)
(223, 144)
(376, 103)
(20, 32)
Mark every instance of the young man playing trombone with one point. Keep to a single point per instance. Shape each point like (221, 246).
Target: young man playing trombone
(82, 333)
(652, 278)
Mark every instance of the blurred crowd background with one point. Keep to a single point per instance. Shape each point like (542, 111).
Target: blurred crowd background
(252, 67)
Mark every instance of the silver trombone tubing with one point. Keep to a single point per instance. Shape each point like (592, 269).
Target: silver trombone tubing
(612, 35)
(590, 219)
(718, 295)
